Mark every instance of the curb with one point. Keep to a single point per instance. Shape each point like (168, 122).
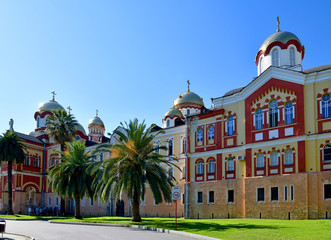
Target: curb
(19, 235)
(162, 230)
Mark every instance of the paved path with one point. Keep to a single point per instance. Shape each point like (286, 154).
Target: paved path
(42, 230)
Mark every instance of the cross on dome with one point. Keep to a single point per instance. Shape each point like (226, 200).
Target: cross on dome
(69, 109)
(278, 30)
(54, 93)
(188, 85)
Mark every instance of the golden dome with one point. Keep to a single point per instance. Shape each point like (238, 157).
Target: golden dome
(173, 112)
(188, 99)
(80, 128)
(96, 120)
(49, 106)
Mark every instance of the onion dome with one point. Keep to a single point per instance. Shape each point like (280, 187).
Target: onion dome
(96, 121)
(173, 112)
(281, 36)
(188, 99)
(49, 106)
(80, 128)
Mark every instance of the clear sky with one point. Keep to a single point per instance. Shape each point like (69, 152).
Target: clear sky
(132, 58)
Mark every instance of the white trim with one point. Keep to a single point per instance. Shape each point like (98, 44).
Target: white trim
(284, 114)
(254, 119)
(226, 126)
(234, 125)
(293, 108)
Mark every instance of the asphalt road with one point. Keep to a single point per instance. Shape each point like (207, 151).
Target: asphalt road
(42, 230)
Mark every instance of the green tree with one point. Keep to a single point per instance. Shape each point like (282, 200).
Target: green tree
(134, 163)
(11, 150)
(71, 176)
(61, 126)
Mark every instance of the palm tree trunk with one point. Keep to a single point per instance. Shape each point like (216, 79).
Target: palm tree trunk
(10, 189)
(77, 207)
(135, 207)
(62, 200)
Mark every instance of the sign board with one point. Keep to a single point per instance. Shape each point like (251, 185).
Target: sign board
(175, 193)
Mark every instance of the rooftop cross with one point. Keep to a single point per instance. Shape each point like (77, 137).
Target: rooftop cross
(69, 109)
(54, 93)
(97, 112)
(188, 85)
(278, 30)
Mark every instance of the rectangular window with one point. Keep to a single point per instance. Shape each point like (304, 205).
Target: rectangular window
(56, 201)
(260, 194)
(49, 201)
(199, 197)
(285, 193)
(211, 197)
(327, 191)
(292, 193)
(91, 201)
(183, 198)
(274, 194)
(230, 196)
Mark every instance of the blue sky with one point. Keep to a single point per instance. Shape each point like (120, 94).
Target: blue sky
(132, 58)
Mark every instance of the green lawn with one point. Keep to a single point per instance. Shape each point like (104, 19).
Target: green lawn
(228, 228)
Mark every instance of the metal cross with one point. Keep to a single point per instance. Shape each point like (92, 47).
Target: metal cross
(97, 111)
(69, 109)
(54, 93)
(278, 30)
(188, 85)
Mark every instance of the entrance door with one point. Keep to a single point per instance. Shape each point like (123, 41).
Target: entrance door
(120, 208)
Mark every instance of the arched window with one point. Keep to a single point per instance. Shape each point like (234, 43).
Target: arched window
(288, 157)
(168, 123)
(35, 161)
(275, 57)
(288, 113)
(260, 64)
(230, 164)
(170, 150)
(273, 113)
(260, 160)
(211, 131)
(184, 145)
(327, 153)
(200, 135)
(211, 166)
(38, 122)
(258, 119)
(188, 112)
(27, 160)
(274, 159)
(326, 106)
(292, 56)
(230, 125)
(200, 168)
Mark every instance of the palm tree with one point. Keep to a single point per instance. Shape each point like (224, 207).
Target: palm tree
(11, 149)
(71, 177)
(133, 163)
(61, 126)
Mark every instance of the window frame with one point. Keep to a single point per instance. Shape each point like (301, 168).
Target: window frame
(213, 197)
(275, 57)
(272, 197)
(292, 56)
(258, 195)
(326, 106)
(289, 113)
(199, 168)
(230, 125)
(273, 114)
(199, 194)
(211, 135)
(259, 119)
(288, 152)
(213, 166)
(259, 160)
(228, 196)
(274, 154)
(199, 135)
(327, 146)
(230, 159)
(171, 147)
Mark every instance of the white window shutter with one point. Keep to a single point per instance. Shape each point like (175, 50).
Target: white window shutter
(293, 111)
(278, 115)
(284, 114)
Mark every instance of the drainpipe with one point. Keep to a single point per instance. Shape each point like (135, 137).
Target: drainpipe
(187, 184)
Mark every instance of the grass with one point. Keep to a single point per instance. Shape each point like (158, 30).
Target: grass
(226, 229)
